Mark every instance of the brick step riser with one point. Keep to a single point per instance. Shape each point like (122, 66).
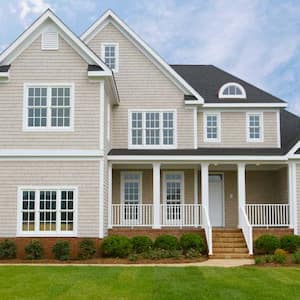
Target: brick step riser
(227, 235)
(229, 240)
(229, 250)
(230, 256)
(229, 245)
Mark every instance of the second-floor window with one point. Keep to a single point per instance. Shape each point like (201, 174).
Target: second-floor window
(48, 107)
(110, 55)
(254, 127)
(152, 129)
(211, 127)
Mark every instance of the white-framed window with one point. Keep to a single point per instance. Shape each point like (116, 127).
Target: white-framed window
(212, 127)
(232, 90)
(131, 194)
(110, 55)
(48, 107)
(47, 211)
(254, 127)
(152, 129)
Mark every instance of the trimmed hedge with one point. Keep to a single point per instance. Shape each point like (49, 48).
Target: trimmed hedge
(280, 256)
(34, 250)
(267, 244)
(116, 246)
(166, 242)
(8, 249)
(87, 249)
(290, 243)
(61, 250)
(192, 241)
(141, 243)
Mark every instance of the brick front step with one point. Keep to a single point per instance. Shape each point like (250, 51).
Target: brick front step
(230, 256)
(224, 250)
(229, 244)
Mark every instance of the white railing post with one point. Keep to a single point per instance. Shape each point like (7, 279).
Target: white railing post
(246, 228)
(110, 195)
(292, 195)
(196, 211)
(241, 189)
(156, 196)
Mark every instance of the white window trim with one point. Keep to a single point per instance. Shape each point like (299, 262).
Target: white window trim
(144, 146)
(116, 45)
(38, 233)
(224, 86)
(205, 138)
(261, 127)
(48, 86)
(182, 195)
(123, 180)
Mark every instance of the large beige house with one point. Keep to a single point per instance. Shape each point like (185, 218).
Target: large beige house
(99, 135)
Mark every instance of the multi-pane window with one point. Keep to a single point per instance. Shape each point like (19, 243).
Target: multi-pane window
(48, 107)
(212, 127)
(152, 129)
(254, 127)
(47, 210)
(110, 55)
(131, 189)
(232, 90)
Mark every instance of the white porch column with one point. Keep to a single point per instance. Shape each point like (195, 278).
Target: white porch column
(156, 196)
(241, 188)
(292, 195)
(196, 207)
(109, 195)
(204, 186)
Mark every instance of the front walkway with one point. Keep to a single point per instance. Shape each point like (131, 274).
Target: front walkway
(225, 263)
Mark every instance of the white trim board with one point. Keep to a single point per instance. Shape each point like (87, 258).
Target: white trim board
(109, 17)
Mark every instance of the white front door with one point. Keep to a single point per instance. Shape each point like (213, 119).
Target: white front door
(216, 207)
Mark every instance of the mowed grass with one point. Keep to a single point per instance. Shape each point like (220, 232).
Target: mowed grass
(67, 282)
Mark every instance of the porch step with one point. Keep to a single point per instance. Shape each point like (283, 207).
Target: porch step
(229, 243)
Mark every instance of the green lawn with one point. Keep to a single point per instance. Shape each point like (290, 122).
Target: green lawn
(148, 283)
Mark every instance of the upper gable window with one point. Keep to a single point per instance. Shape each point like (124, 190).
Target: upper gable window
(232, 90)
(48, 107)
(50, 39)
(110, 55)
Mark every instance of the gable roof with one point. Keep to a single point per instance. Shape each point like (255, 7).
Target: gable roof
(110, 17)
(208, 79)
(9, 54)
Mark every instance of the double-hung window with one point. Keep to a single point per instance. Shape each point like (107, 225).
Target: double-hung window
(48, 107)
(47, 211)
(152, 129)
(110, 55)
(211, 127)
(254, 127)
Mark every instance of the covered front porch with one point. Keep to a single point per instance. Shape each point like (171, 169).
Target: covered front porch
(206, 195)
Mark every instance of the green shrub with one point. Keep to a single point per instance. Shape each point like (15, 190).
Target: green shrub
(192, 253)
(268, 258)
(141, 243)
(290, 243)
(259, 260)
(87, 249)
(61, 250)
(116, 246)
(133, 257)
(267, 244)
(296, 257)
(159, 253)
(192, 241)
(8, 249)
(166, 242)
(280, 256)
(34, 250)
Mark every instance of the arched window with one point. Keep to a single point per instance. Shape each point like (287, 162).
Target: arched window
(232, 90)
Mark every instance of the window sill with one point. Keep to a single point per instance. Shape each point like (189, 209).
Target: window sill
(46, 234)
(151, 147)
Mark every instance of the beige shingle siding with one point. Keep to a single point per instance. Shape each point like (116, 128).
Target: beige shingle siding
(61, 66)
(81, 174)
(142, 85)
(234, 131)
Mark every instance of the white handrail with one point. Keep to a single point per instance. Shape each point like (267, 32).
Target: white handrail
(183, 215)
(208, 230)
(273, 215)
(247, 229)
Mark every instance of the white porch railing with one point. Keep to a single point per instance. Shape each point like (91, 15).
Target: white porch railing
(208, 230)
(129, 215)
(247, 229)
(270, 215)
(181, 215)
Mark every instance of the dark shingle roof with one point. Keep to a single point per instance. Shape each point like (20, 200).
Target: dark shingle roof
(290, 134)
(4, 68)
(207, 80)
(94, 68)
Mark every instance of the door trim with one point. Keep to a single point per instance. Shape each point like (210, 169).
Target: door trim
(223, 193)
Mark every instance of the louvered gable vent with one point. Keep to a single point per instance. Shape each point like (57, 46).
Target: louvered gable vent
(50, 39)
